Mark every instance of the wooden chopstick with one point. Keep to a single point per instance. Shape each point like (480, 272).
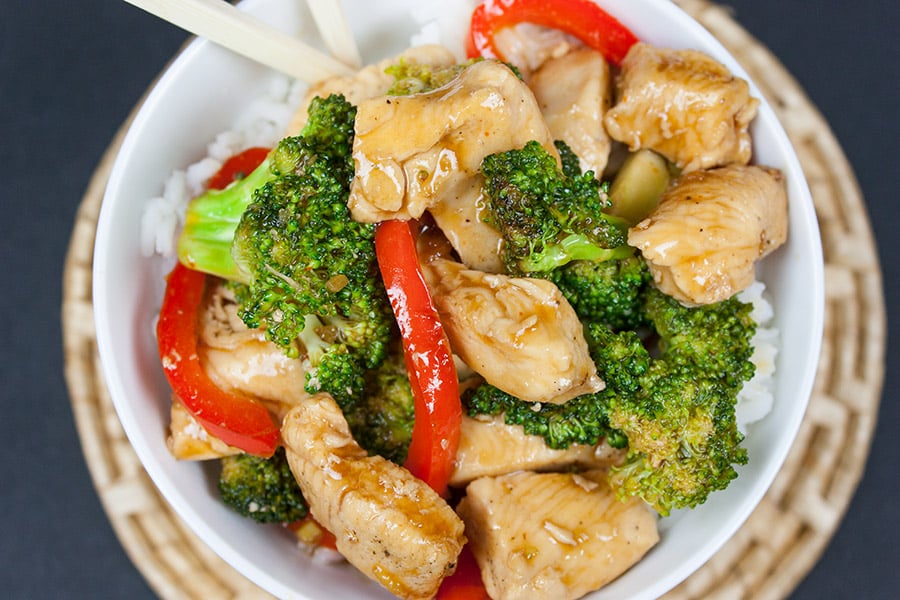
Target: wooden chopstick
(222, 23)
(335, 31)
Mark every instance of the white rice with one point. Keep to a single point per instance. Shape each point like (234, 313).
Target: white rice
(262, 124)
(755, 398)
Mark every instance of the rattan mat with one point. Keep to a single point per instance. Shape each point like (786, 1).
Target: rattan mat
(768, 556)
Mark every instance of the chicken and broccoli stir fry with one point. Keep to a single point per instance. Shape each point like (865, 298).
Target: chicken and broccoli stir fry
(580, 313)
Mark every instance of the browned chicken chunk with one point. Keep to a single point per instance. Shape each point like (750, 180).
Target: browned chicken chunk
(239, 359)
(528, 46)
(520, 334)
(488, 448)
(553, 535)
(684, 105)
(242, 359)
(424, 152)
(369, 81)
(709, 229)
(388, 524)
(188, 440)
(574, 92)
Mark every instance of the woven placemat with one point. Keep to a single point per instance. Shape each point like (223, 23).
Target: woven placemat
(768, 556)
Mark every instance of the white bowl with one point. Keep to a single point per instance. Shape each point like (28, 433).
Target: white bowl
(199, 96)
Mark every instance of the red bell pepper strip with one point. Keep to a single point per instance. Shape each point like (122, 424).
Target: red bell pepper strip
(235, 419)
(237, 167)
(466, 582)
(581, 18)
(429, 362)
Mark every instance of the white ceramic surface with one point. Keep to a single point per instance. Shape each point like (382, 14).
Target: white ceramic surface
(199, 96)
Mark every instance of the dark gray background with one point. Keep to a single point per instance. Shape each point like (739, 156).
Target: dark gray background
(70, 72)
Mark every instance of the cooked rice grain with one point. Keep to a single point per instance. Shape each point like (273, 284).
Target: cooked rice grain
(755, 398)
(262, 124)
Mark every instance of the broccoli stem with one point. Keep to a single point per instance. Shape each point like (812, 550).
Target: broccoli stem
(575, 246)
(211, 219)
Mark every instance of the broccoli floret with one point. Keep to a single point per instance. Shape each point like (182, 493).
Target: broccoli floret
(304, 253)
(415, 78)
(582, 420)
(571, 164)
(608, 292)
(715, 338)
(263, 489)
(382, 420)
(330, 365)
(546, 216)
(377, 402)
(306, 271)
(677, 410)
(211, 219)
(622, 358)
(307, 256)
(683, 441)
(670, 397)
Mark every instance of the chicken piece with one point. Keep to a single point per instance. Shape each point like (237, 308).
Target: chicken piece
(488, 448)
(188, 440)
(574, 92)
(388, 524)
(241, 359)
(553, 535)
(370, 81)
(459, 216)
(709, 229)
(424, 151)
(520, 334)
(684, 105)
(528, 46)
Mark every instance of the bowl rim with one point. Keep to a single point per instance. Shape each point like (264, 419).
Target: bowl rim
(209, 534)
